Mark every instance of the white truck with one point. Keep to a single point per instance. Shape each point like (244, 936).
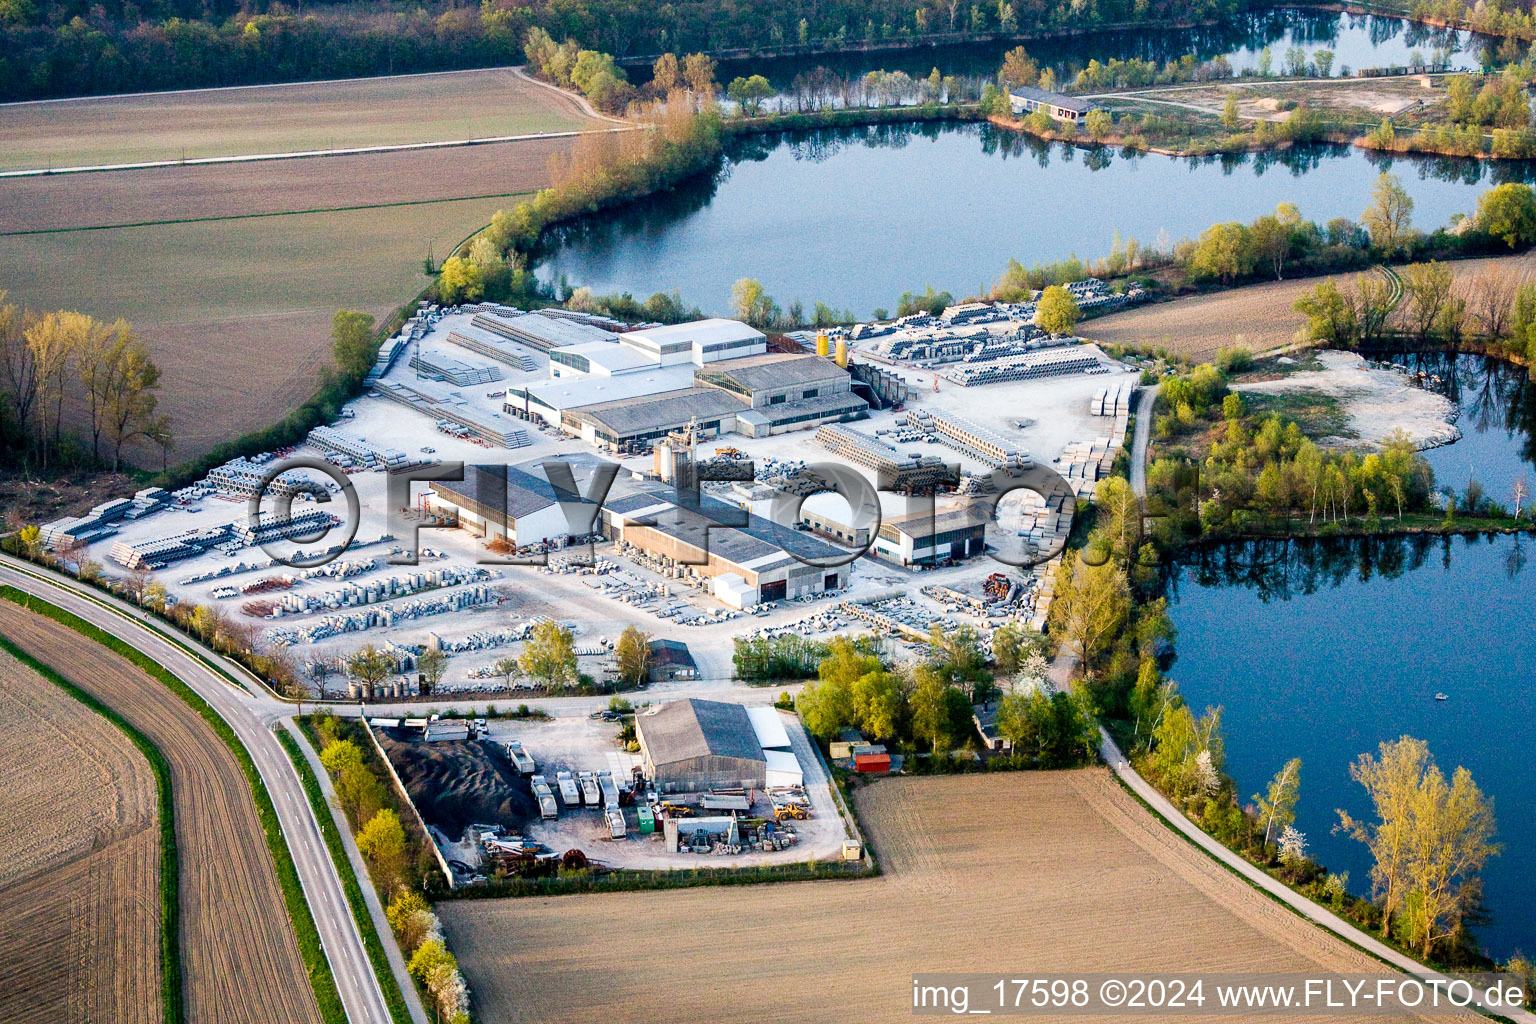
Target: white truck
(616, 828)
(521, 759)
(569, 791)
(608, 789)
(588, 788)
(545, 796)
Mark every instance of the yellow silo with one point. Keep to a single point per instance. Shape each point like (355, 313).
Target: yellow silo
(842, 352)
(821, 345)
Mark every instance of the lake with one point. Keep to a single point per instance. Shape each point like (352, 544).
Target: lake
(1322, 650)
(855, 217)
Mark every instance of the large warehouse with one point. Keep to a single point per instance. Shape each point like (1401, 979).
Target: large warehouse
(691, 746)
(746, 558)
(612, 399)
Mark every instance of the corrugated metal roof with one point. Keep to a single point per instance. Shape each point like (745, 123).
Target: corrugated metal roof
(775, 370)
(692, 728)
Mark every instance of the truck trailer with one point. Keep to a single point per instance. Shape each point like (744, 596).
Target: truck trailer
(545, 796)
(569, 791)
(521, 759)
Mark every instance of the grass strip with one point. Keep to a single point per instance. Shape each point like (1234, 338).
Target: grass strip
(349, 882)
(256, 216)
(321, 980)
(173, 1008)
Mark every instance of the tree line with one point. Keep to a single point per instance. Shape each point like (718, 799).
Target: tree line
(74, 47)
(75, 392)
(927, 708)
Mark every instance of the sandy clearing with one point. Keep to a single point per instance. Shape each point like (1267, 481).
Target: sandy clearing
(1033, 873)
(281, 118)
(79, 862)
(240, 960)
(1378, 403)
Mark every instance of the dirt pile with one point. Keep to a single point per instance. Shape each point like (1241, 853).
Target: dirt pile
(454, 783)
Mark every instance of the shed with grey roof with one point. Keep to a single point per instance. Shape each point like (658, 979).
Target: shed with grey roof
(690, 746)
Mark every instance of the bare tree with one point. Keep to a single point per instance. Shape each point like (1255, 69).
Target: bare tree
(1491, 300)
(18, 370)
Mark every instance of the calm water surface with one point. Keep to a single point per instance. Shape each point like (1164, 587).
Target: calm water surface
(855, 217)
(1336, 647)
(1359, 41)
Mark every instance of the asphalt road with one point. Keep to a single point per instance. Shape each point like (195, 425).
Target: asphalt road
(359, 988)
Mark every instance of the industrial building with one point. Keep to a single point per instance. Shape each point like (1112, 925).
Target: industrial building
(670, 660)
(691, 746)
(513, 504)
(785, 392)
(923, 537)
(747, 559)
(601, 399)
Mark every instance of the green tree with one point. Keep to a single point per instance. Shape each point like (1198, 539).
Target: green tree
(879, 703)
(1392, 783)
(382, 842)
(352, 344)
(752, 304)
(459, 280)
(1019, 68)
(1508, 211)
(410, 917)
(369, 665)
(550, 655)
(1222, 252)
(825, 707)
(1057, 311)
(431, 666)
(1277, 807)
(1390, 213)
(1100, 123)
(1229, 115)
(633, 656)
(749, 93)
(1090, 607)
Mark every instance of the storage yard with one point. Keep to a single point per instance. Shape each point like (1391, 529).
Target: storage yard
(79, 862)
(481, 380)
(240, 959)
(542, 788)
(1104, 882)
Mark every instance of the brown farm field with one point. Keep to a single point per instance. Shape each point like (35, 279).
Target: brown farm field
(110, 198)
(232, 272)
(281, 118)
(1257, 317)
(79, 862)
(240, 960)
(1028, 873)
(237, 311)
